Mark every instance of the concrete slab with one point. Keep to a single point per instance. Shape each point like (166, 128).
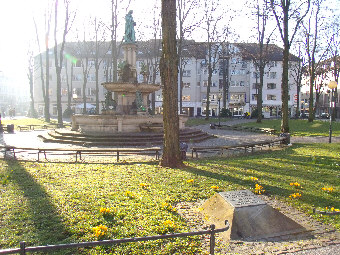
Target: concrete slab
(250, 218)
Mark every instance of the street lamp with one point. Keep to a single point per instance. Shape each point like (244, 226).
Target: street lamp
(219, 96)
(331, 85)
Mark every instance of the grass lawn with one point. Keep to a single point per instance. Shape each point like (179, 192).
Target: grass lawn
(46, 203)
(24, 121)
(300, 127)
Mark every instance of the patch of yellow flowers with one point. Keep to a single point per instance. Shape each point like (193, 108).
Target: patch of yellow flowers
(168, 207)
(295, 195)
(169, 223)
(143, 185)
(332, 209)
(254, 179)
(259, 189)
(100, 230)
(329, 190)
(295, 184)
(129, 194)
(190, 181)
(215, 187)
(106, 211)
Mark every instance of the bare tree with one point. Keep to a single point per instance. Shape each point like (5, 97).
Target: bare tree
(116, 7)
(285, 12)
(86, 49)
(316, 52)
(58, 60)
(169, 73)
(335, 66)
(298, 70)
(30, 66)
(45, 87)
(152, 51)
(185, 9)
(99, 54)
(216, 37)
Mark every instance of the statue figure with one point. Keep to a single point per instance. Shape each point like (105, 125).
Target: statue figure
(139, 101)
(109, 103)
(129, 36)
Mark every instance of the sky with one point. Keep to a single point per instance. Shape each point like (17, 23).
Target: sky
(18, 33)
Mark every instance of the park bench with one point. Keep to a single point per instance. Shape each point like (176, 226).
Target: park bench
(244, 146)
(24, 128)
(80, 153)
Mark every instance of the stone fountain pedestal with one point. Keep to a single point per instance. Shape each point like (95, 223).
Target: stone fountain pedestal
(129, 113)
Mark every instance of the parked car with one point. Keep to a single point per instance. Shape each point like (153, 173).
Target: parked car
(324, 115)
(304, 115)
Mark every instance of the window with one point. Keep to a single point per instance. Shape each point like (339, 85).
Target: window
(254, 97)
(271, 97)
(256, 75)
(205, 83)
(159, 98)
(256, 85)
(272, 64)
(91, 77)
(78, 64)
(214, 84)
(76, 92)
(198, 84)
(244, 64)
(185, 98)
(186, 73)
(234, 60)
(272, 75)
(236, 97)
(205, 71)
(140, 64)
(91, 62)
(242, 83)
(91, 91)
(238, 72)
(77, 77)
(186, 85)
(64, 91)
(271, 86)
(214, 72)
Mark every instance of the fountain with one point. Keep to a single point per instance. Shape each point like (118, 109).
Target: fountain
(124, 121)
(129, 112)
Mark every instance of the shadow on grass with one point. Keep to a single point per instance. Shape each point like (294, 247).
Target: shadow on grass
(274, 178)
(44, 224)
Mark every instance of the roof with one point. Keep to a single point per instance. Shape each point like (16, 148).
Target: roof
(272, 52)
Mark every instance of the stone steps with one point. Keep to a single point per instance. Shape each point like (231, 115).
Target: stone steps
(120, 139)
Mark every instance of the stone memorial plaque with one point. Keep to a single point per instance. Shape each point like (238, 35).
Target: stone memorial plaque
(241, 198)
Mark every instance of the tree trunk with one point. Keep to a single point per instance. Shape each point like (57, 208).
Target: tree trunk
(47, 88)
(169, 75)
(260, 89)
(285, 67)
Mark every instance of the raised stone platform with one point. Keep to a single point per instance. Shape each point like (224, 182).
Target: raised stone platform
(67, 136)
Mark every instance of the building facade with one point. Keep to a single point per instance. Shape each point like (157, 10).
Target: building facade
(242, 77)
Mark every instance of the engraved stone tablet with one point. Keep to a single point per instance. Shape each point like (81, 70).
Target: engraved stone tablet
(242, 198)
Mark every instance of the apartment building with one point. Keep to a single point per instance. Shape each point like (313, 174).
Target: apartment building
(14, 97)
(242, 78)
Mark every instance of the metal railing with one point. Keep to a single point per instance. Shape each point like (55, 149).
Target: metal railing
(23, 249)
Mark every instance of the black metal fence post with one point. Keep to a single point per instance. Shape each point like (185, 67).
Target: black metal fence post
(212, 239)
(22, 248)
